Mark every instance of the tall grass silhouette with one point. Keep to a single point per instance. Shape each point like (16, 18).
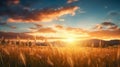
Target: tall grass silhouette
(24, 56)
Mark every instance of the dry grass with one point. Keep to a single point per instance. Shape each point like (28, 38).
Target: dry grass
(23, 56)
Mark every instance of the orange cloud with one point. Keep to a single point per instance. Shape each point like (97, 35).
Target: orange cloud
(59, 26)
(76, 30)
(70, 29)
(111, 31)
(98, 27)
(105, 34)
(60, 31)
(9, 2)
(44, 15)
(71, 1)
(47, 30)
(114, 27)
(106, 30)
(106, 26)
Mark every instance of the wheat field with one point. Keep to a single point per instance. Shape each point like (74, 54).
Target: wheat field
(46, 56)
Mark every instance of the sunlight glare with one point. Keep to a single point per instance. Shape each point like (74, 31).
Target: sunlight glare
(70, 40)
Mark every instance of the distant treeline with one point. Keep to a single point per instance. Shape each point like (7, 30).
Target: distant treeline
(19, 42)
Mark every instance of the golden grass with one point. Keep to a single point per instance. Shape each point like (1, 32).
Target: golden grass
(45, 56)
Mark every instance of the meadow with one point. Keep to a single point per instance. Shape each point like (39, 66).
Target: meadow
(48, 56)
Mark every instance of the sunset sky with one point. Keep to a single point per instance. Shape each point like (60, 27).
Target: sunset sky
(82, 19)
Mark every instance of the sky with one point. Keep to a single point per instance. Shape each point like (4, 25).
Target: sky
(82, 19)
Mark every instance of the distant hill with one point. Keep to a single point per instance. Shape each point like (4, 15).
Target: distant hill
(90, 43)
(98, 43)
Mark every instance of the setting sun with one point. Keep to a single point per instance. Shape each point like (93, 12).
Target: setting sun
(70, 40)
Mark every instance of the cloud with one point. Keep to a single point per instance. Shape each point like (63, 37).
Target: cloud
(98, 27)
(111, 31)
(7, 25)
(46, 30)
(105, 30)
(108, 23)
(44, 15)
(114, 27)
(59, 26)
(38, 25)
(107, 34)
(72, 30)
(13, 1)
(106, 26)
(113, 13)
(35, 28)
(18, 11)
(32, 28)
(13, 27)
(3, 23)
(62, 20)
(75, 30)
(71, 1)
(8, 2)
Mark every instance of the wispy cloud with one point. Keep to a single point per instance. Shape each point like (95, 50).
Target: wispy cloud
(113, 13)
(70, 29)
(38, 25)
(17, 11)
(59, 26)
(13, 27)
(44, 15)
(75, 30)
(71, 1)
(3, 23)
(105, 34)
(46, 30)
(106, 26)
(9, 2)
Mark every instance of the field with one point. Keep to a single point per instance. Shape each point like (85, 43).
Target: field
(46, 56)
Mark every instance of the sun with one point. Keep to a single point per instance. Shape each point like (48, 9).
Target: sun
(70, 40)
